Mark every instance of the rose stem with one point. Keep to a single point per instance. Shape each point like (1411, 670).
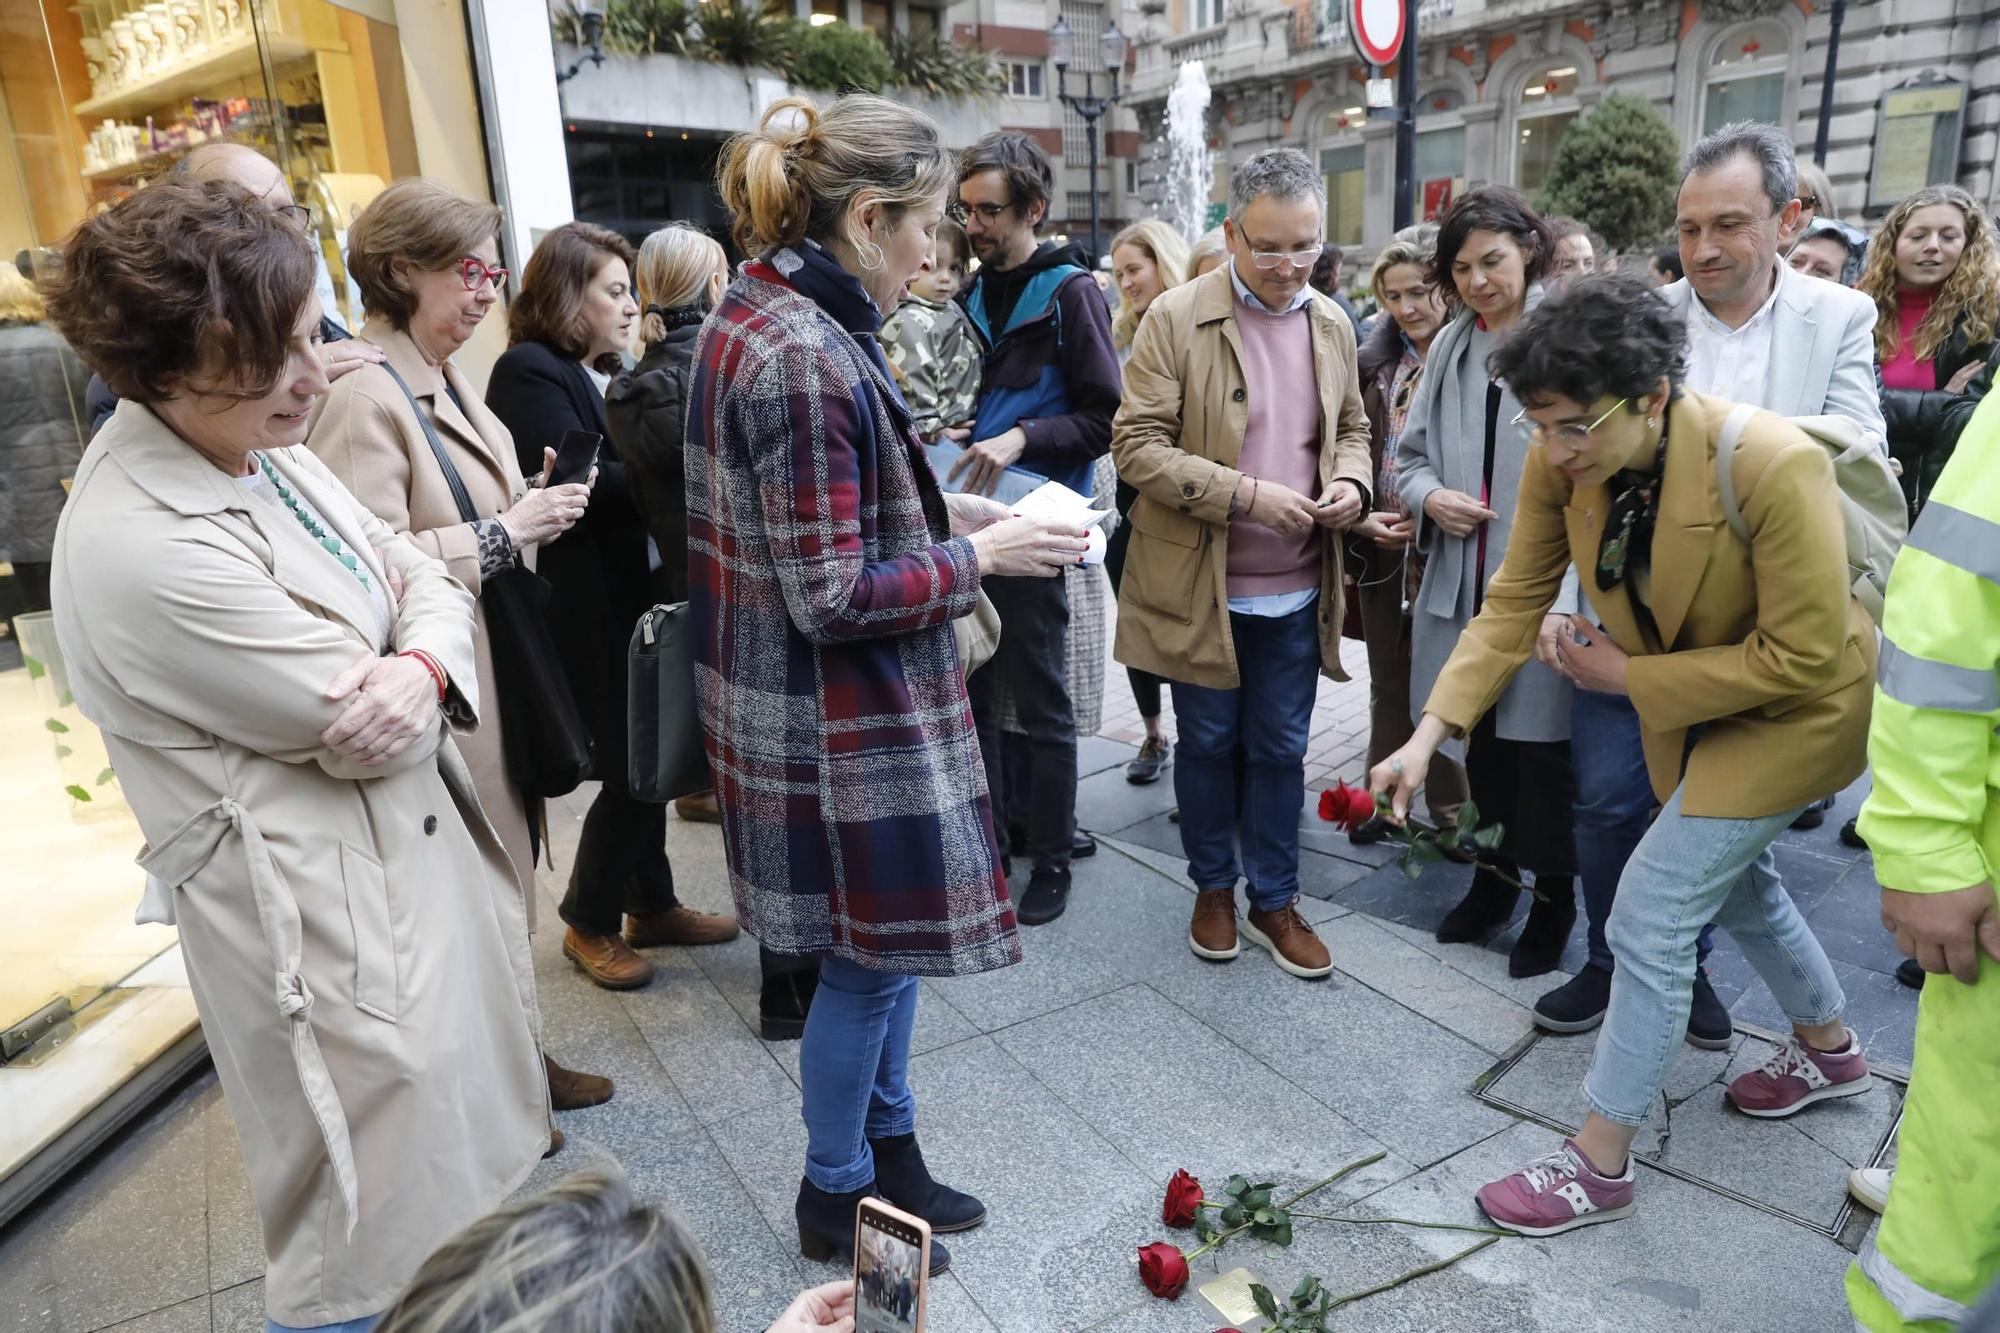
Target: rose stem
(1347, 1170)
(1405, 1222)
(1414, 1273)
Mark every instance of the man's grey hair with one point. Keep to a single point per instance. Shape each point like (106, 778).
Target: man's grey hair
(1766, 145)
(1281, 173)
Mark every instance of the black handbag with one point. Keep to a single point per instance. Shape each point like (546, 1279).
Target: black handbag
(668, 760)
(544, 741)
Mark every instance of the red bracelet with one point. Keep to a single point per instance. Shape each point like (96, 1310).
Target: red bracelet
(429, 664)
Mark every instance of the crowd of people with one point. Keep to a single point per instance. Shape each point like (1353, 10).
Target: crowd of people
(1590, 526)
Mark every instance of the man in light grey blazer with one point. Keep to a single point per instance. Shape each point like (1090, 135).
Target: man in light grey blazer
(1758, 332)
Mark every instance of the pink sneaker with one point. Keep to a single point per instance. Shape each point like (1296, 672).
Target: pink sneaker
(1797, 1076)
(1557, 1193)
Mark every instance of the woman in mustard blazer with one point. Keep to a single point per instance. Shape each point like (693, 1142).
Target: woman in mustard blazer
(1750, 665)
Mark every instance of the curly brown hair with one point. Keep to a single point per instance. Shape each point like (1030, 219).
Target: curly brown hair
(550, 307)
(184, 280)
(1971, 294)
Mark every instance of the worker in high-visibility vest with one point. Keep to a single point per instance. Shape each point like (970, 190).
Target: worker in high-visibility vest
(1933, 823)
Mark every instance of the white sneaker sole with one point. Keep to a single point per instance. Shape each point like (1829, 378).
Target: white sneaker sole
(1585, 1220)
(1263, 941)
(1870, 1187)
(1214, 955)
(1854, 1089)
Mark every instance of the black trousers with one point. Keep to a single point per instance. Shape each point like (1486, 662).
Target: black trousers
(1529, 788)
(1032, 662)
(1145, 685)
(621, 862)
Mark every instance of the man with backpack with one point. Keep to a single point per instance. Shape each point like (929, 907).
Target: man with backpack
(1758, 333)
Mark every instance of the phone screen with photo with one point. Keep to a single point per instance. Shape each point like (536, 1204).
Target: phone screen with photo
(888, 1275)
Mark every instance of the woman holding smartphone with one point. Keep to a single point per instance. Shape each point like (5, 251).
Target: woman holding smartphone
(569, 328)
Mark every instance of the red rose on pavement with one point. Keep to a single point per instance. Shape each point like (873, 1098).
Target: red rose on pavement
(1163, 1269)
(1183, 1198)
(1349, 807)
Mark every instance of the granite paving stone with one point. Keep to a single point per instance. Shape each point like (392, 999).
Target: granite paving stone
(187, 1317)
(1106, 802)
(1483, 963)
(235, 1232)
(1173, 867)
(1420, 982)
(717, 1063)
(239, 1309)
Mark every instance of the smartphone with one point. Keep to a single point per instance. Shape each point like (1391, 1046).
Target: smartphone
(892, 1262)
(575, 457)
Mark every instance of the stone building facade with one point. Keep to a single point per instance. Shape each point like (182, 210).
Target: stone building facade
(1502, 79)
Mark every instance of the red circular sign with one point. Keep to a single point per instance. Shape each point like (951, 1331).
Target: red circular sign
(1377, 29)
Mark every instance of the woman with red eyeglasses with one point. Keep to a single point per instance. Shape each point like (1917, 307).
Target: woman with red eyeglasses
(428, 264)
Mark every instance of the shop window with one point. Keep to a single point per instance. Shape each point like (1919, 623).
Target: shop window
(1024, 79)
(923, 22)
(1746, 79)
(875, 17)
(1346, 192)
(1440, 168)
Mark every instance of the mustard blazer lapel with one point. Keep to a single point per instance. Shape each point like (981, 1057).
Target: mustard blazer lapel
(1690, 511)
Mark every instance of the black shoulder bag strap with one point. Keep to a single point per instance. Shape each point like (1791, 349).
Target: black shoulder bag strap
(451, 477)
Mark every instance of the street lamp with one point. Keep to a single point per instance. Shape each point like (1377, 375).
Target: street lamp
(592, 14)
(1111, 47)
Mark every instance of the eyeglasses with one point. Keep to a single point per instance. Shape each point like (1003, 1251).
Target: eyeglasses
(474, 272)
(1572, 435)
(988, 213)
(299, 215)
(1809, 201)
(1268, 259)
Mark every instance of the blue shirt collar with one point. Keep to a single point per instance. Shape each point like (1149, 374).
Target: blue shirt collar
(1249, 298)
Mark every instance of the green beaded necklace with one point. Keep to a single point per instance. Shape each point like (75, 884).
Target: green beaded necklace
(311, 525)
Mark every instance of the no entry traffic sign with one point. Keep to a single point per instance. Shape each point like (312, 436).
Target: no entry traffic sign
(1377, 29)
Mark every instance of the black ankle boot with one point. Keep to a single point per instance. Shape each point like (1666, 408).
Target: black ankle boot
(1540, 946)
(1484, 909)
(902, 1178)
(826, 1227)
(783, 1004)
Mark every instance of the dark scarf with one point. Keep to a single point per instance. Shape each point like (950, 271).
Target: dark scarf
(680, 316)
(1627, 545)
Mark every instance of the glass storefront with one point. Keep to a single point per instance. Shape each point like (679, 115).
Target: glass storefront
(98, 97)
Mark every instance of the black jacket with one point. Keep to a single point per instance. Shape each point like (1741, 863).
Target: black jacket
(41, 384)
(1924, 424)
(598, 568)
(647, 408)
(99, 402)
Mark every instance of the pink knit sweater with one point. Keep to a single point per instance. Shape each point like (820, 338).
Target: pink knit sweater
(1280, 444)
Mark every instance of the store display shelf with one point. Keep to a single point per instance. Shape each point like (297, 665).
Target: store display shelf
(232, 59)
(138, 166)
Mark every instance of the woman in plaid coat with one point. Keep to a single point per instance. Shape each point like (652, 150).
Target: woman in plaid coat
(824, 570)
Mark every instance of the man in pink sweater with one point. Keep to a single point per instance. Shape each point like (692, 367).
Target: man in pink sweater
(1242, 430)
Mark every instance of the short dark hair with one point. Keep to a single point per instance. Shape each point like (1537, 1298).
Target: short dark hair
(1766, 145)
(1602, 335)
(184, 278)
(1667, 259)
(550, 307)
(1031, 179)
(1325, 267)
(1490, 208)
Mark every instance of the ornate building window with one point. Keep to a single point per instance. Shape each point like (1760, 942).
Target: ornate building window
(1342, 160)
(1548, 107)
(1440, 165)
(1745, 79)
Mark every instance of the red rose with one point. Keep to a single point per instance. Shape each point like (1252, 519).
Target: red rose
(1349, 807)
(1183, 1197)
(1163, 1269)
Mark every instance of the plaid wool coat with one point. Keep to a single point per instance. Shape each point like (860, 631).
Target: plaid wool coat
(823, 581)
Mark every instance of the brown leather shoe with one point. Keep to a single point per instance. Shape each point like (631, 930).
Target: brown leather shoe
(556, 1141)
(571, 1091)
(607, 960)
(1291, 942)
(699, 808)
(1212, 932)
(679, 924)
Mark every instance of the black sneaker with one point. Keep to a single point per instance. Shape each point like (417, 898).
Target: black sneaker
(1813, 815)
(1153, 757)
(1047, 896)
(1084, 846)
(1708, 1018)
(1578, 1004)
(1850, 836)
(1911, 973)
(1373, 830)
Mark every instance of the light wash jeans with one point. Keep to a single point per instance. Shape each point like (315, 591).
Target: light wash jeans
(361, 1325)
(1685, 873)
(854, 1071)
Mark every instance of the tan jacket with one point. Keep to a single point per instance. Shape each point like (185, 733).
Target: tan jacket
(1770, 656)
(1177, 437)
(366, 433)
(352, 935)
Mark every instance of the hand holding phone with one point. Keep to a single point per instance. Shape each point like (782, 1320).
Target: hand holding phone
(892, 1260)
(576, 456)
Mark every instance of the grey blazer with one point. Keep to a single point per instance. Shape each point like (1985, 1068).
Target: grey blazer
(1822, 349)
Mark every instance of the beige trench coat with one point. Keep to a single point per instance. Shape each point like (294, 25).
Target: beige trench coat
(1176, 440)
(367, 434)
(353, 936)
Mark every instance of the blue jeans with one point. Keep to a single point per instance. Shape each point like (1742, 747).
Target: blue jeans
(1614, 807)
(361, 1325)
(1686, 872)
(854, 1071)
(1240, 774)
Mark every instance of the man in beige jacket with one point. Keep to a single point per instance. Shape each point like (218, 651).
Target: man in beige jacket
(1232, 586)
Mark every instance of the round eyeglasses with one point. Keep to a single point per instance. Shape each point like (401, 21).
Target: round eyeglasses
(1572, 435)
(475, 272)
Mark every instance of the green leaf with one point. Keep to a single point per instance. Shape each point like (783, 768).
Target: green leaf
(1267, 1305)
(1203, 1228)
(1427, 852)
(1449, 838)
(77, 792)
(1258, 1198)
(1468, 817)
(1303, 1293)
(104, 777)
(1489, 838)
(1281, 1234)
(1236, 1187)
(35, 669)
(1233, 1215)
(1408, 865)
(64, 752)
(1265, 1217)
(57, 725)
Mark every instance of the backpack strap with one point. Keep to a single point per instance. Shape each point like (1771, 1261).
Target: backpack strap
(1725, 471)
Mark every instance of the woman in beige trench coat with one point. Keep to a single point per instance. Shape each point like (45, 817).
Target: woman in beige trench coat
(278, 677)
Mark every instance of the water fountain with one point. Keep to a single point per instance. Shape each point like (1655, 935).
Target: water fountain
(1190, 173)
